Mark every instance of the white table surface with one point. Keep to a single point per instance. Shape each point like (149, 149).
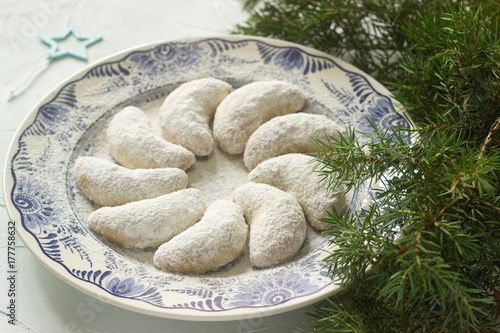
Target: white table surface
(44, 302)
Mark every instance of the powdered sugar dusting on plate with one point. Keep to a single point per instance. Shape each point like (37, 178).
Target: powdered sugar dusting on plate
(218, 175)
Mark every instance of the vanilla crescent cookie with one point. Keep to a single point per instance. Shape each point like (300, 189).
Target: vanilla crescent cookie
(292, 133)
(187, 111)
(150, 222)
(248, 107)
(293, 173)
(219, 238)
(109, 184)
(277, 223)
(134, 144)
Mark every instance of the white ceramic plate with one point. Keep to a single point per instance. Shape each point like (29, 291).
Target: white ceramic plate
(51, 212)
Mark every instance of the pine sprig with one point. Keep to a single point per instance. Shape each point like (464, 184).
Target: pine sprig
(365, 33)
(450, 230)
(441, 59)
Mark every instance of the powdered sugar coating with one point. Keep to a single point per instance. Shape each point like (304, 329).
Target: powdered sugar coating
(292, 133)
(277, 223)
(187, 111)
(293, 173)
(109, 184)
(150, 222)
(219, 238)
(248, 107)
(134, 144)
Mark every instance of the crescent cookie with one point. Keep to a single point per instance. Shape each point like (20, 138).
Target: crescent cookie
(277, 223)
(134, 144)
(219, 238)
(293, 173)
(187, 111)
(150, 222)
(248, 107)
(287, 134)
(109, 184)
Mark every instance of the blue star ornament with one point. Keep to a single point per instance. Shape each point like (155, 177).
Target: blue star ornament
(79, 52)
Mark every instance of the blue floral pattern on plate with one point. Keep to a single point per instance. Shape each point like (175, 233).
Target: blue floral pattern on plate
(66, 123)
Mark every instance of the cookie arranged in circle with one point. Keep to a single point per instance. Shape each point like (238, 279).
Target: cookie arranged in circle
(292, 133)
(248, 107)
(150, 207)
(149, 222)
(188, 110)
(219, 238)
(293, 173)
(109, 184)
(134, 144)
(277, 223)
